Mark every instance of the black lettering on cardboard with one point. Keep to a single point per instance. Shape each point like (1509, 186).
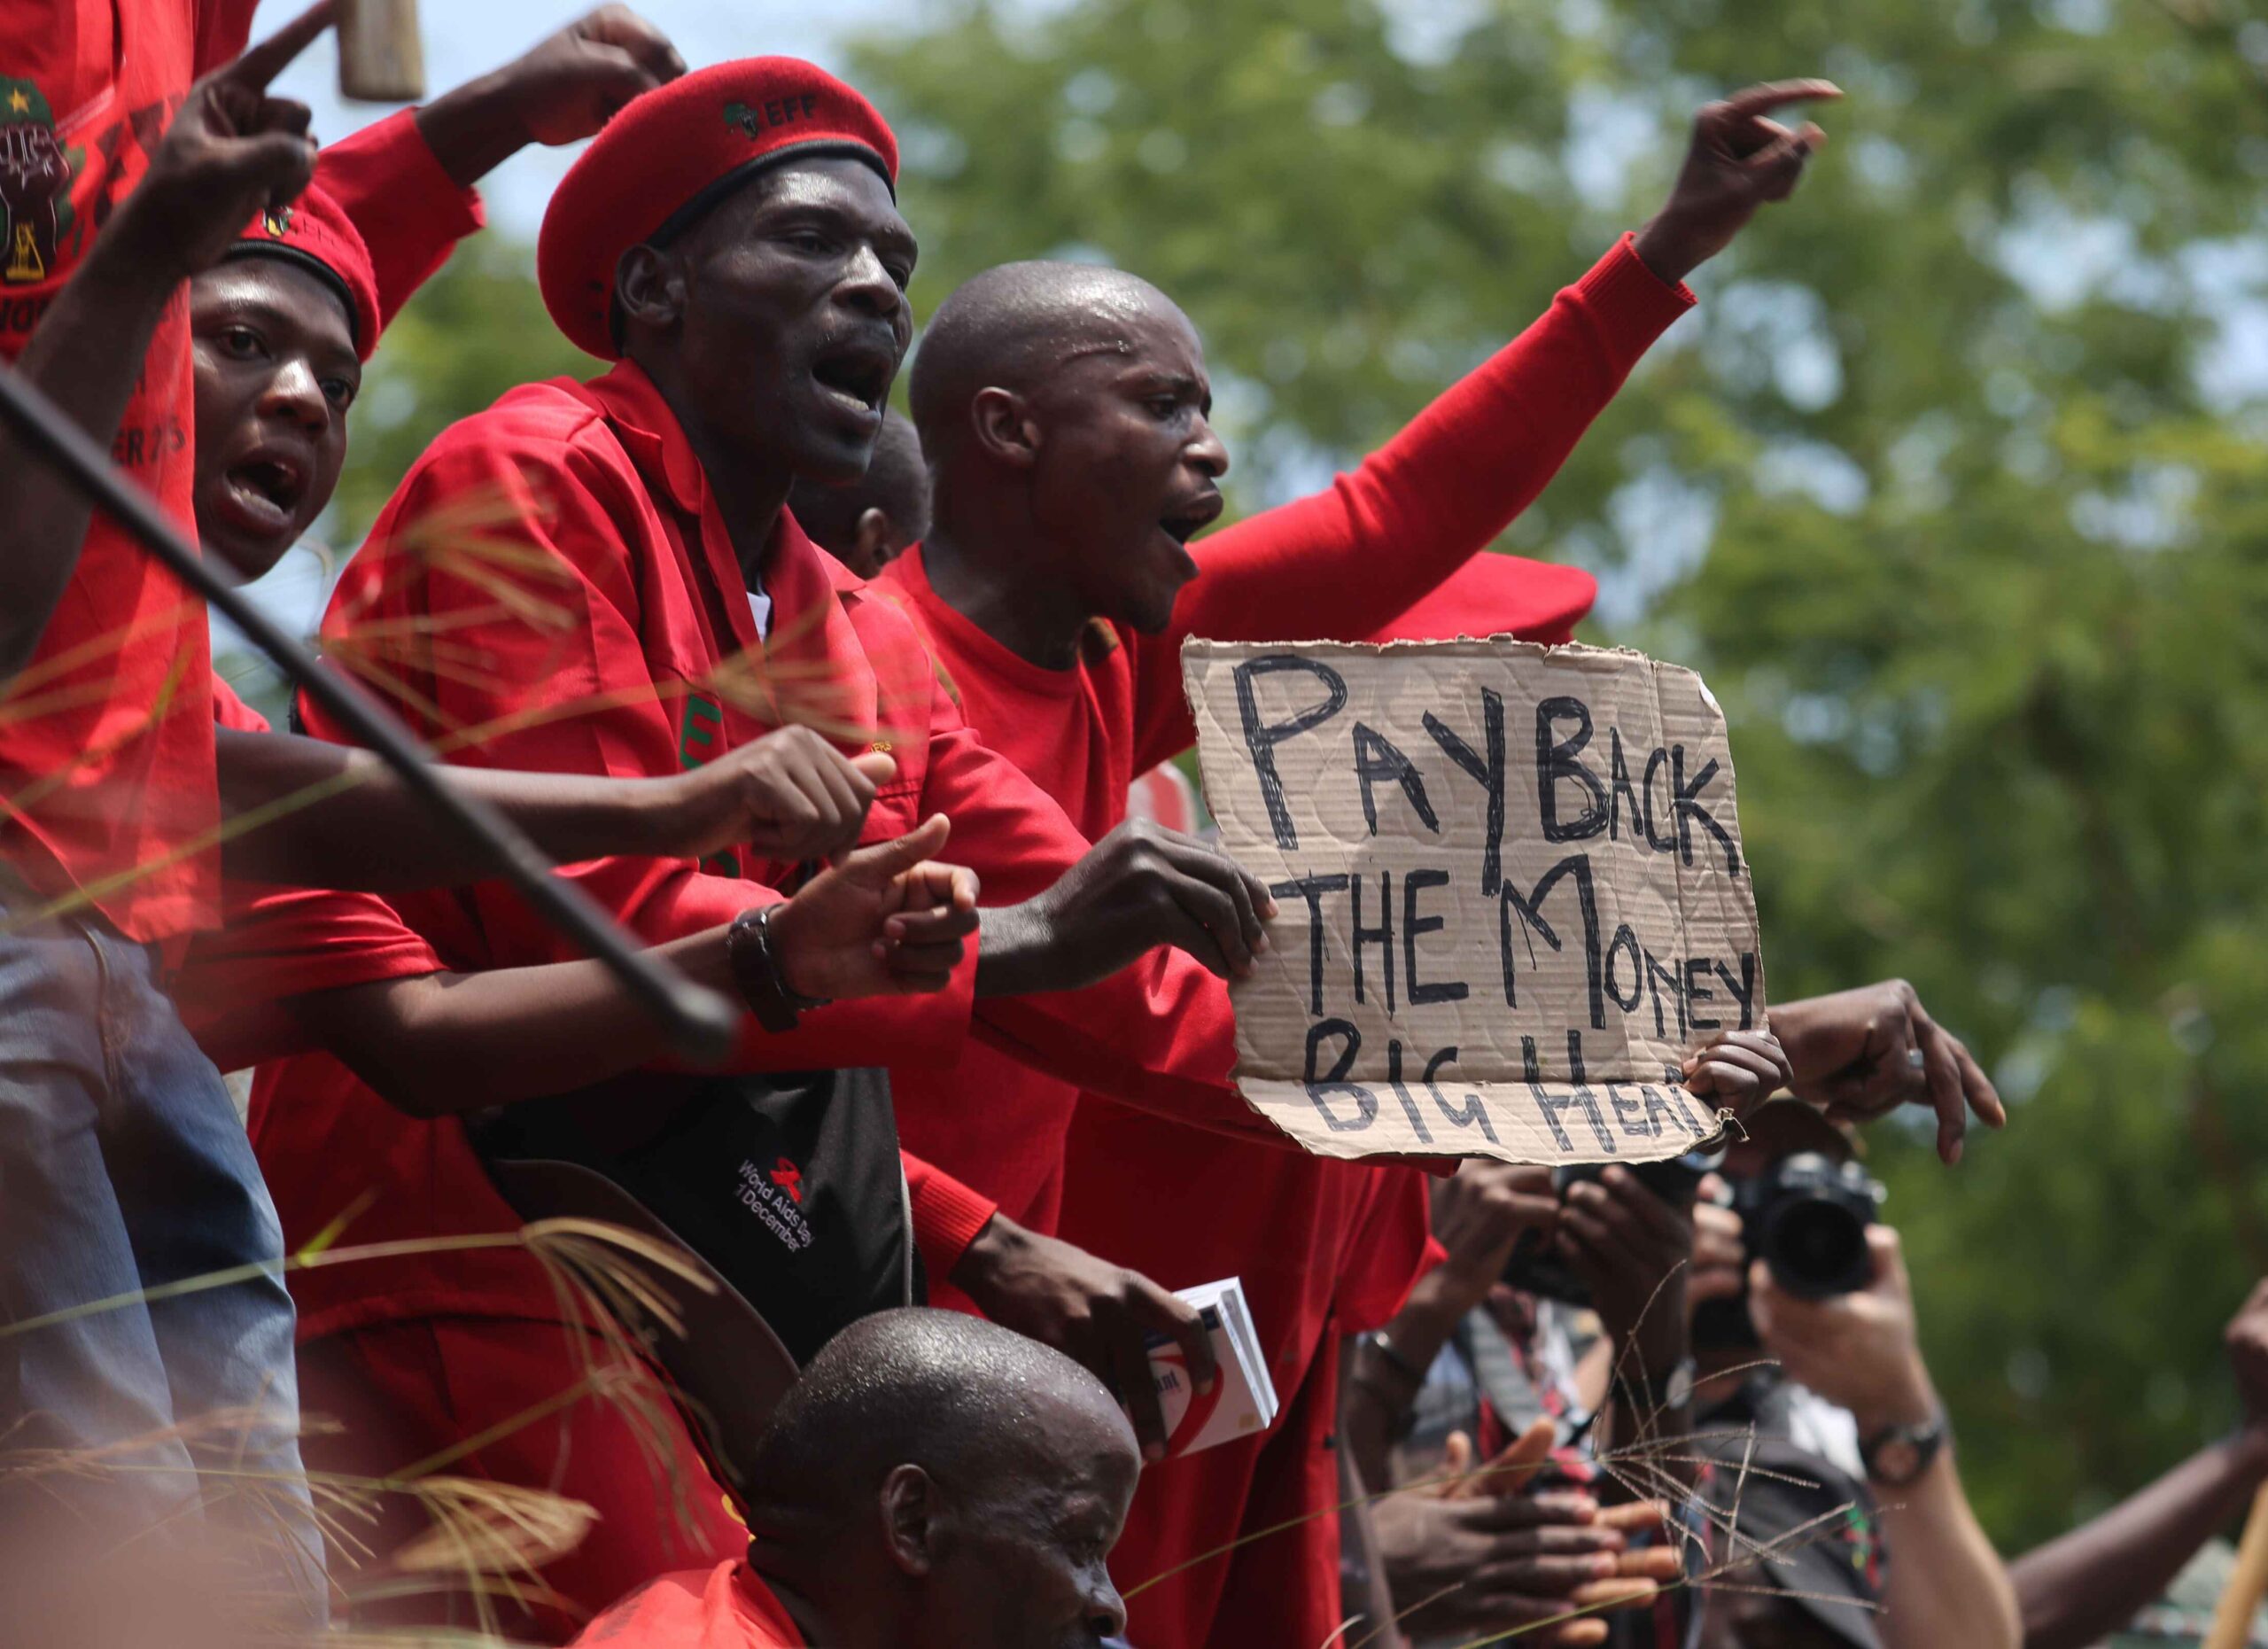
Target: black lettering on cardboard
(1312, 889)
(1262, 738)
(1697, 1119)
(1657, 977)
(1350, 1044)
(1544, 1103)
(1623, 935)
(1697, 992)
(1532, 923)
(1629, 1111)
(1419, 992)
(1408, 1106)
(1554, 763)
(1744, 989)
(1690, 809)
(1658, 1106)
(1662, 838)
(1621, 790)
(1579, 1093)
(1376, 757)
(1381, 935)
(1475, 1111)
(1488, 773)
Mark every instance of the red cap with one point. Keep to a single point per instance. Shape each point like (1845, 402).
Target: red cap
(675, 151)
(314, 232)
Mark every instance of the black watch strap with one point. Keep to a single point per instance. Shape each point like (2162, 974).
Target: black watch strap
(1897, 1456)
(755, 969)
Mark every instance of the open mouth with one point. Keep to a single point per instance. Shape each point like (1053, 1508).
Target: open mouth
(267, 489)
(1185, 523)
(856, 377)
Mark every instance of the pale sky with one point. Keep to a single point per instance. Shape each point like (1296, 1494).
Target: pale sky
(466, 37)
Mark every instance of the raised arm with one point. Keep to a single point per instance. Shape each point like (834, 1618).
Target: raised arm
(2078, 1588)
(230, 149)
(1343, 562)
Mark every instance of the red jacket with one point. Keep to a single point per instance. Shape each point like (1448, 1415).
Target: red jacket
(552, 588)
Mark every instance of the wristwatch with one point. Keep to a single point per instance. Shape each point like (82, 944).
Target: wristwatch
(1673, 1390)
(755, 969)
(1898, 1455)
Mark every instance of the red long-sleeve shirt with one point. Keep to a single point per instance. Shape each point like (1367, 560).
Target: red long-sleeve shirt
(105, 738)
(1323, 1248)
(553, 588)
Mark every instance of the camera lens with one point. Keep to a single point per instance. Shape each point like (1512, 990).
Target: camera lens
(1819, 1248)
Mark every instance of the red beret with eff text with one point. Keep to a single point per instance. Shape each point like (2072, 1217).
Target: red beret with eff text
(675, 151)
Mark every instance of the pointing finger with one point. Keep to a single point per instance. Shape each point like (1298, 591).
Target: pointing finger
(264, 62)
(1755, 100)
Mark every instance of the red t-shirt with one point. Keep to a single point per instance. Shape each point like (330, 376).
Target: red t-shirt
(726, 1607)
(553, 588)
(105, 740)
(1324, 1248)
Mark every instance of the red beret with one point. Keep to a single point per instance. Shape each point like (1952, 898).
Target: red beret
(672, 153)
(316, 234)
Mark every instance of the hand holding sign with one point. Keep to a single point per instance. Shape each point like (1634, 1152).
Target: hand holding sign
(1739, 161)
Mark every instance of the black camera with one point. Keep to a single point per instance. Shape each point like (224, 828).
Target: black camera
(1536, 1266)
(1807, 1216)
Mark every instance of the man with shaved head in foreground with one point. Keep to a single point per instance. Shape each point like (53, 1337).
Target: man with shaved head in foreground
(1064, 411)
(932, 1479)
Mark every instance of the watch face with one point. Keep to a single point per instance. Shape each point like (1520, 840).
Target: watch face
(1897, 1460)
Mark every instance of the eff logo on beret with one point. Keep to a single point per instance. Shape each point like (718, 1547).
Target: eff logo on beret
(776, 111)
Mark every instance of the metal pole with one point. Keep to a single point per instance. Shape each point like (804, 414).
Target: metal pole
(701, 1023)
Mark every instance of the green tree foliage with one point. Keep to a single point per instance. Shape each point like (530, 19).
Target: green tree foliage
(1951, 487)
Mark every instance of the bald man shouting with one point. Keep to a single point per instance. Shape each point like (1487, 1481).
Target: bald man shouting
(933, 1480)
(1064, 412)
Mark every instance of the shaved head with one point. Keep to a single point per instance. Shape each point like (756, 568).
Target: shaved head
(1067, 417)
(1013, 324)
(969, 1401)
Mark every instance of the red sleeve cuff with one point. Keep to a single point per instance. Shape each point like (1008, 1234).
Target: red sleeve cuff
(947, 1216)
(408, 209)
(1622, 287)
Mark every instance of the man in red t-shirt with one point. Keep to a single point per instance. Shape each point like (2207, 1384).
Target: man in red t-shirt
(932, 1479)
(1063, 411)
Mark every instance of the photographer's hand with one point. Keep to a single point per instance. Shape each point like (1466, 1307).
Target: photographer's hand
(1857, 1350)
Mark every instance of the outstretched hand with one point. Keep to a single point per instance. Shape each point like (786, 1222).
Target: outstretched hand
(1739, 159)
(231, 151)
(1862, 1054)
(1140, 886)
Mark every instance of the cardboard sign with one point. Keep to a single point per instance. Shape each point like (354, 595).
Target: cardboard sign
(1510, 887)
